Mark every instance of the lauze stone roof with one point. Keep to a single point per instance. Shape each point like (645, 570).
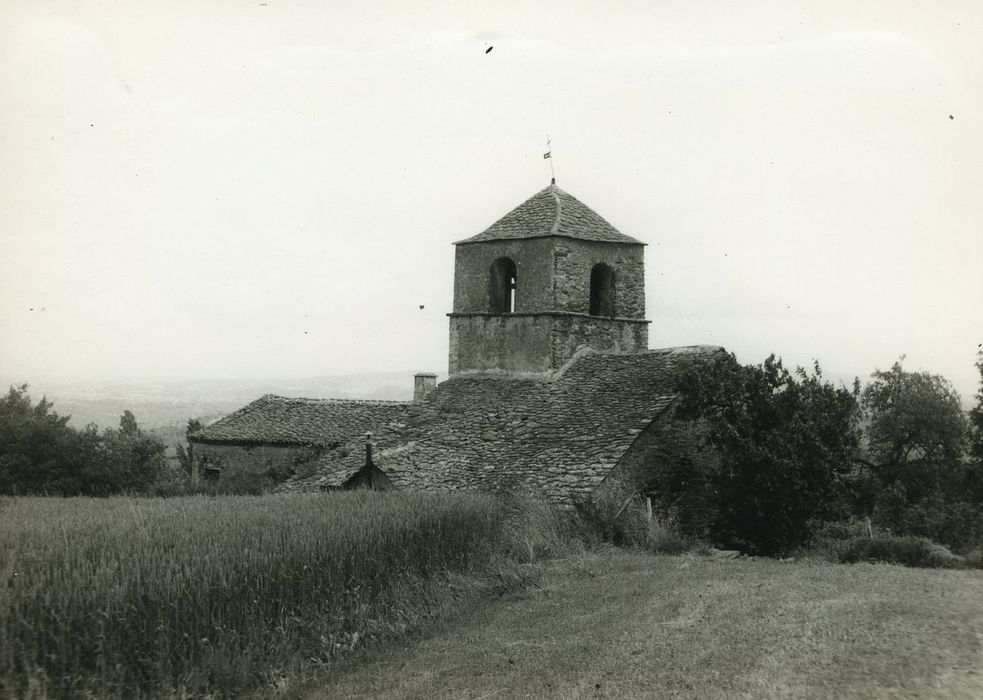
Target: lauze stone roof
(277, 420)
(552, 212)
(559, 437)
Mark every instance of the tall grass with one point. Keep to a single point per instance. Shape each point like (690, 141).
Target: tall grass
(123, 597)
(616, 513)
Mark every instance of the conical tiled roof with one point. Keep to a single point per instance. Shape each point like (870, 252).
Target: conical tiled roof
(552, 212)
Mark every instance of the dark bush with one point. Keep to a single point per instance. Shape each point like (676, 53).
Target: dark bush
(907, 551)
(841, 529)
(786, 442)
(974, 558)
(956, 523)
(41, 454)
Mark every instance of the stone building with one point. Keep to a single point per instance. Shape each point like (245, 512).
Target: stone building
(282, 437)
(551, 385)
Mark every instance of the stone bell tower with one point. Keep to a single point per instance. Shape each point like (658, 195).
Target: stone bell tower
(546, 279)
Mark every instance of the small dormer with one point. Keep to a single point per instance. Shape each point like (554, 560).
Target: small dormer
(546, 279)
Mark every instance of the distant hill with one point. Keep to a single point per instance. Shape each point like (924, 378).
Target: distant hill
(166, 406)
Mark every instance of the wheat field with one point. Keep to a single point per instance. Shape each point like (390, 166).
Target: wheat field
(125, 596)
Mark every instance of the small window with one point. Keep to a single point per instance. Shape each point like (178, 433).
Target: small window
(502, 289)
(602, 290)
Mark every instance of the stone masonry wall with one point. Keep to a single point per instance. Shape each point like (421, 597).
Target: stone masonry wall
(680, 448)
(255, 459)
(570, 333)
(513, 343)
(550, 322)
(552, 274)
(534, 269)
(536, 342)
(646, 452)
(571, 275)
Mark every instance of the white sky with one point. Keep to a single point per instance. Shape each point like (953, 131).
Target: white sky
(270, 189)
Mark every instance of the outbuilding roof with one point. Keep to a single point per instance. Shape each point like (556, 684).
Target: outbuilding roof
(278, 420)
(552, 212)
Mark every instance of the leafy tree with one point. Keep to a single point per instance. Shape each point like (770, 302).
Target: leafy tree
(184, 451)
(128, 424)
(132, 459)
(34, 441)
(916, 451)
(785, 442)
(41, 454)
(976, 414)
(916, 427)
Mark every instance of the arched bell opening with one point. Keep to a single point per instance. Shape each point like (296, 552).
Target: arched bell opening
(602, 290)
(502, 287)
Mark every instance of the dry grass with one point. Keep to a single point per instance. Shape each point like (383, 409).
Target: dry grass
(632, 625)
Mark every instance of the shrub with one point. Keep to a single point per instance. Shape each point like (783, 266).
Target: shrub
(172, 481)
(827, 537)
(664, 538)
(907, 551)
(974, 558)
(617, 515)
(613, 513)
(958, 524)
(840, 529)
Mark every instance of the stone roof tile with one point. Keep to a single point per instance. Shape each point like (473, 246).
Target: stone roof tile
(559, 437)
(278, 420)
(552, 212)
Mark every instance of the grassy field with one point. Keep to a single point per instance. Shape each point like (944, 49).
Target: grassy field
(121, 596)
(624, 625)
(414, 595)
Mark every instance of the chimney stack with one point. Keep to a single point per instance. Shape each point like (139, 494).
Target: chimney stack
(423, 384)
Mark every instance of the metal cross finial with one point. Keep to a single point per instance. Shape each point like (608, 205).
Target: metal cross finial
(549, 156)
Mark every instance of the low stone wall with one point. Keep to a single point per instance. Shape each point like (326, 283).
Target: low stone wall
(278, 461)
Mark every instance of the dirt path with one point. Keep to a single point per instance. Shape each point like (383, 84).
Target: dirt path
(622, 625)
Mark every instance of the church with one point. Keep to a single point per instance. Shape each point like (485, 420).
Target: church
(551, 386)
